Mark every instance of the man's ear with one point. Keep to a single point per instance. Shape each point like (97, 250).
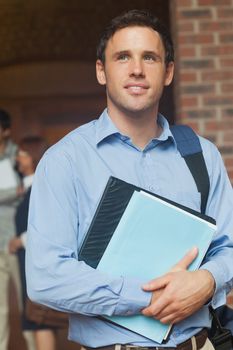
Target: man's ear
(169, 73)
(100, 72)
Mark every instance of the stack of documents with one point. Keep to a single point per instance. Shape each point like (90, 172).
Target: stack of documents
(151, 236)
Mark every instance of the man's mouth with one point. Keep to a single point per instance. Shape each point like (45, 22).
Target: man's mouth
(137, 88)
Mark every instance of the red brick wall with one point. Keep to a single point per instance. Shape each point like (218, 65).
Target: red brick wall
(203, 34)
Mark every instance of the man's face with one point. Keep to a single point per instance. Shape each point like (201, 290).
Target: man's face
(134, 71)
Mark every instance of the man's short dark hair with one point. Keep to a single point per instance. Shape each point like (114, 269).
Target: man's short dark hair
(132, 18)
(5, 120)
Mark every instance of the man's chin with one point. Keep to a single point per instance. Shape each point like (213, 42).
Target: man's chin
(137, 109)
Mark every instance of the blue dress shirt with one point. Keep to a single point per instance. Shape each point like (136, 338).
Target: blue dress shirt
(68, 184)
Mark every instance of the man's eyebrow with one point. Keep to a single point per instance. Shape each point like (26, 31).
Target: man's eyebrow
(153, 53)
(146, 52)
(122, 52)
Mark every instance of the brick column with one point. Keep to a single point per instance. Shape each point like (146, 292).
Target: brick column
(203, 36)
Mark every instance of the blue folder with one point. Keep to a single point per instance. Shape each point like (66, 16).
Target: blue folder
(150, 238)
(141, 235)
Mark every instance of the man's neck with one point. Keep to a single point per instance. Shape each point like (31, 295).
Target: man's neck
(140, 127)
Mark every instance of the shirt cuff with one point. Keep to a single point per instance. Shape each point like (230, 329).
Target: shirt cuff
(132, 298)
(219, 297)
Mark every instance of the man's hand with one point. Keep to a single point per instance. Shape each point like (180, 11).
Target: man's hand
(15, 244)
(179, 293)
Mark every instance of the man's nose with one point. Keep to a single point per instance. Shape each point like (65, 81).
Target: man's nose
(137, 68)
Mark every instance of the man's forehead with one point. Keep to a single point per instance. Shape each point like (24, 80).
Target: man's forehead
(130, 37)
(134, 29)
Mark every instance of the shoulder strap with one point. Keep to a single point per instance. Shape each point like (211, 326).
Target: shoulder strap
(189, 146)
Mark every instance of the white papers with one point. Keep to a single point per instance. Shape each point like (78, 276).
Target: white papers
(7, 176)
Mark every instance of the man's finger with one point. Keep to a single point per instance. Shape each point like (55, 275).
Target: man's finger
(156, 307)
(184, 263)
(157, 283)
(171, 319)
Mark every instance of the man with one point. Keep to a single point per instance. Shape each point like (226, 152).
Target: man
(8, 200)
(133, 142)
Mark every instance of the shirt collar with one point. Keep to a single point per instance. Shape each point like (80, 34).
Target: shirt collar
(106, 128)
(166, 133)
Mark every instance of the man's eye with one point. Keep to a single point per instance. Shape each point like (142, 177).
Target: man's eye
(149, 58)
(123, 57)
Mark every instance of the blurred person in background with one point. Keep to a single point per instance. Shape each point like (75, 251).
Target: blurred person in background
(9, 182)
(30, 151)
